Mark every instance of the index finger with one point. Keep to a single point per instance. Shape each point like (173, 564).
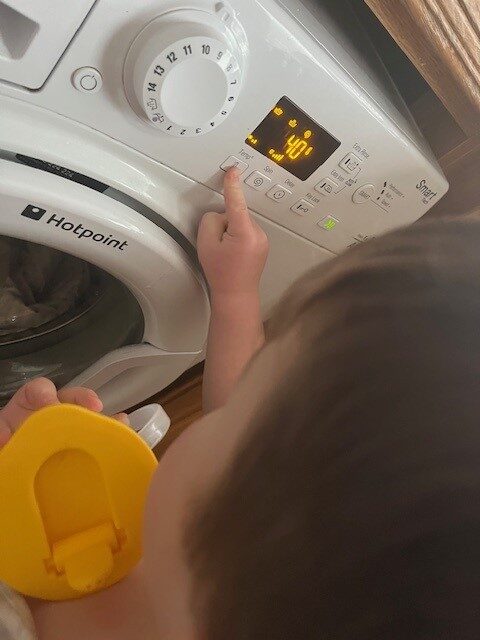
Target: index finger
(236, 208)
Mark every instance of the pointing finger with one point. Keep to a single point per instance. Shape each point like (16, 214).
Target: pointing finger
(238, 218)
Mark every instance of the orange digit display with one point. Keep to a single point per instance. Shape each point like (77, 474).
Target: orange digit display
(291, 139)
(296, 146)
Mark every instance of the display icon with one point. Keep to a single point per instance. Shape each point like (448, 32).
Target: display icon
(291, 138)
(328, 224)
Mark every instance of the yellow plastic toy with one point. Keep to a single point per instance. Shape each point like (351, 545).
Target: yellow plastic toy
(73, 485)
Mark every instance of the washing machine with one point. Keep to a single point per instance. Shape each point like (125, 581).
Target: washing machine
(118, 119)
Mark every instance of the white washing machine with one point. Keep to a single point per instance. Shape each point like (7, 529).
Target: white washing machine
(117, 120)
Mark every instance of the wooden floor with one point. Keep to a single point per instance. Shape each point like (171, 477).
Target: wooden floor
(182, 401)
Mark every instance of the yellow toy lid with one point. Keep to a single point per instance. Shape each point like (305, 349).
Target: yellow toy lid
(73, 485)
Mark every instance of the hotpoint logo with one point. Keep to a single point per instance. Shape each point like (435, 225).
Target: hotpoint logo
(33, 212)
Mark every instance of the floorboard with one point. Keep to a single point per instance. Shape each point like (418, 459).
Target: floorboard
(182, 401)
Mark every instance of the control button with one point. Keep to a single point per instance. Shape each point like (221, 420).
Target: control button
(363, 193)
(362, 237)
(328, 223)
(302, 207)
(278, 192)
(349, 163)
(257, 180)
(232, 161)
(326, 187)
(87, 80)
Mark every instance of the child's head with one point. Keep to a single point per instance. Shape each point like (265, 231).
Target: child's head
(337, 493)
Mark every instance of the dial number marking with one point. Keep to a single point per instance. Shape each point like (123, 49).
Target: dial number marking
(166, 60)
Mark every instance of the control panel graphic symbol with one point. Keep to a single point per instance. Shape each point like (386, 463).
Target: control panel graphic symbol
(33, 212)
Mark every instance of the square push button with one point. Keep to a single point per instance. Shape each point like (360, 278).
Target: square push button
(257, 180)
(326, 187)
(278, 193)
(302, 207)
(232, 161)
(328, 223)
(349, 163)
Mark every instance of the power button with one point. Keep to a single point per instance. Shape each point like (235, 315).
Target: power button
(87, 80)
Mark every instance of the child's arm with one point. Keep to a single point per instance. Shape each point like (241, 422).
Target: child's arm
(232, 249)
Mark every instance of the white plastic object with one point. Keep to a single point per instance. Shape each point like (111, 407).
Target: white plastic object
(145, 258)
(151, 423)
(87, 80)
(183, 72)
(33, 36)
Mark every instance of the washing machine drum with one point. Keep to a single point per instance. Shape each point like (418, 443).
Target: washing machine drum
(91, 291)
(58, 315)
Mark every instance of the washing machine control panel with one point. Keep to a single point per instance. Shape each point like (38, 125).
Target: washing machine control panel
(183, 72)
(324, 150)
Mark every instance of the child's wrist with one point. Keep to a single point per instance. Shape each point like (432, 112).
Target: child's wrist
(233, 301)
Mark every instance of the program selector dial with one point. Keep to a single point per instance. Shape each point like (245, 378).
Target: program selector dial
(183, 72)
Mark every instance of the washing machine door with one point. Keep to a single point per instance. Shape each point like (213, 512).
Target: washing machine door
(92, 292)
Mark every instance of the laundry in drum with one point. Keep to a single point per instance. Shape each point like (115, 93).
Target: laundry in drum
(37, 283)
(58, 314)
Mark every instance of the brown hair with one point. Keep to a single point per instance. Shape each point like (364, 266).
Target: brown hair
(353, 509)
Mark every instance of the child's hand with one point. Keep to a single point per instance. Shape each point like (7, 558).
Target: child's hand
(37, 394)
(232, 248)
